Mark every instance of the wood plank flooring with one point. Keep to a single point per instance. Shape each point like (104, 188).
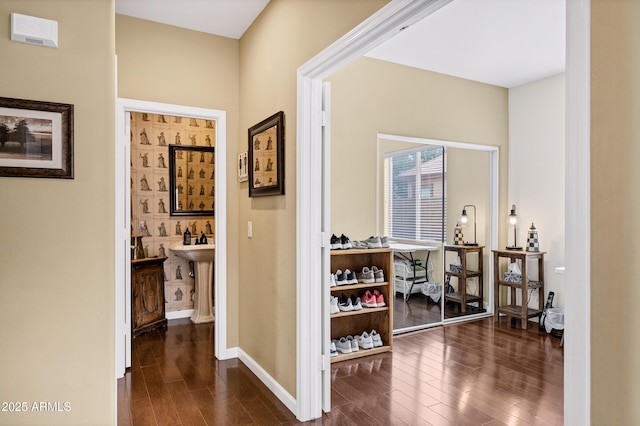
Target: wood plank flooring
(478, 373)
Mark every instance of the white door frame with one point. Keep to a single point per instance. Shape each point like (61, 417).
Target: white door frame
(123, 226)
(310, 199)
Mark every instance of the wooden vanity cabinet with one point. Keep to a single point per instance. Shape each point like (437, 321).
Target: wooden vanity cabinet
(147, 295)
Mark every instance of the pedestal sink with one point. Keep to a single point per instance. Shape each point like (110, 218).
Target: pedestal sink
(202, 256)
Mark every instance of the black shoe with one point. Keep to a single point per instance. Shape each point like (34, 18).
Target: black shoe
(335, 243)
(346, 243)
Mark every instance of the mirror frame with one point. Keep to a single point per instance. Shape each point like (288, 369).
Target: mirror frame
(173, 193)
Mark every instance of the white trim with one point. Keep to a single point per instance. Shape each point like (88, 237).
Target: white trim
(577, 371)
(123, 106)
(326, 251)
(185, 313)
(427, 141)
(275, 387)
(310, 196)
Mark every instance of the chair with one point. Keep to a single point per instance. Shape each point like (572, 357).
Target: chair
(410, 277)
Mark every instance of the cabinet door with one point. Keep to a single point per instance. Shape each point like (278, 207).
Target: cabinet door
(148, 295)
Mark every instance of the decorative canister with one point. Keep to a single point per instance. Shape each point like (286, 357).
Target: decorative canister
(457, 235)
(532, 240)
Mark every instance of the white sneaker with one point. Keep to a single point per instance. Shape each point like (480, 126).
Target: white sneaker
(333, 351)
(333, 305)
(376, 339)
(343, 345)
(332, 280)
(384, 241)
(365, 341)
(354, 343)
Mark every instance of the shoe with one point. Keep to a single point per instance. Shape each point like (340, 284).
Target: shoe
(351, 277)
(384, 241)
(379, 298)
(344, 304)
(368, 300)
(375, 337)
(373, 242)
(355, 302)
(333, 351)
(335, 244)
(359, 245)
(332, 280)
(378, 274)
(366, 276)
(346, 243)
(333, 305)
(341, 278)
(343, 345)
(365, 341)
(354, 343)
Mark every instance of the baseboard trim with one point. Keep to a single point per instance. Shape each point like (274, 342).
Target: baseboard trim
(186, 313)
(229, 353)
(275, 387)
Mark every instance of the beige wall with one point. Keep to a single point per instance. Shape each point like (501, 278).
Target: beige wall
(416, 103)
(615, 271)
(161, 63)
(285, 36)
(411, 102)
(57, 251)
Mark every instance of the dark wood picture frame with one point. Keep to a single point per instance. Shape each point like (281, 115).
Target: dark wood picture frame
(266, 157)
(36, 139)
(180, 180)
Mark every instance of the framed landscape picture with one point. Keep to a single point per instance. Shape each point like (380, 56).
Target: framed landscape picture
(36, 139)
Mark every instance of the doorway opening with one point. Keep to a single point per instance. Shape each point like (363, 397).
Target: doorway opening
(311, 277)
(142, 208)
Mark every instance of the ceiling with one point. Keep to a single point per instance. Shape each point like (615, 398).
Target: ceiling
(227, 18)
(505, 43)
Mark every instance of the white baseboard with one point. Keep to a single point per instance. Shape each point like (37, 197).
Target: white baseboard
(229, 353)
(186, 313)
(275, 387)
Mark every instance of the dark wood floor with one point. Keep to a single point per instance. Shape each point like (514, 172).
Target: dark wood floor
(476, 373)
(420, 310)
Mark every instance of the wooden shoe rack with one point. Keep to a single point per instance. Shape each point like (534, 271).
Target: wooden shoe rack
(355, 322)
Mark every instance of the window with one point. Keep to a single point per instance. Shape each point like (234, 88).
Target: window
(414, 194)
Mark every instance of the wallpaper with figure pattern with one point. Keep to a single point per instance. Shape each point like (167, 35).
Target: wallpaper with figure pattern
(151, 135)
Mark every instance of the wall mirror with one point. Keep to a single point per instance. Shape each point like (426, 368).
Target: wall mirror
(191, 180)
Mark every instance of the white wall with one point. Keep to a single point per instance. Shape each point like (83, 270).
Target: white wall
(536, 170)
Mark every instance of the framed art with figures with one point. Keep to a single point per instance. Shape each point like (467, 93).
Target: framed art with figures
(266, 157)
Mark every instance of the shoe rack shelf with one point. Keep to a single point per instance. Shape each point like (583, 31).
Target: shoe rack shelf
(367, 319)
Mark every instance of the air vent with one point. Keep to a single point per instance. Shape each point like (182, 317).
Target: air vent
(32, 30)
(34, 41)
